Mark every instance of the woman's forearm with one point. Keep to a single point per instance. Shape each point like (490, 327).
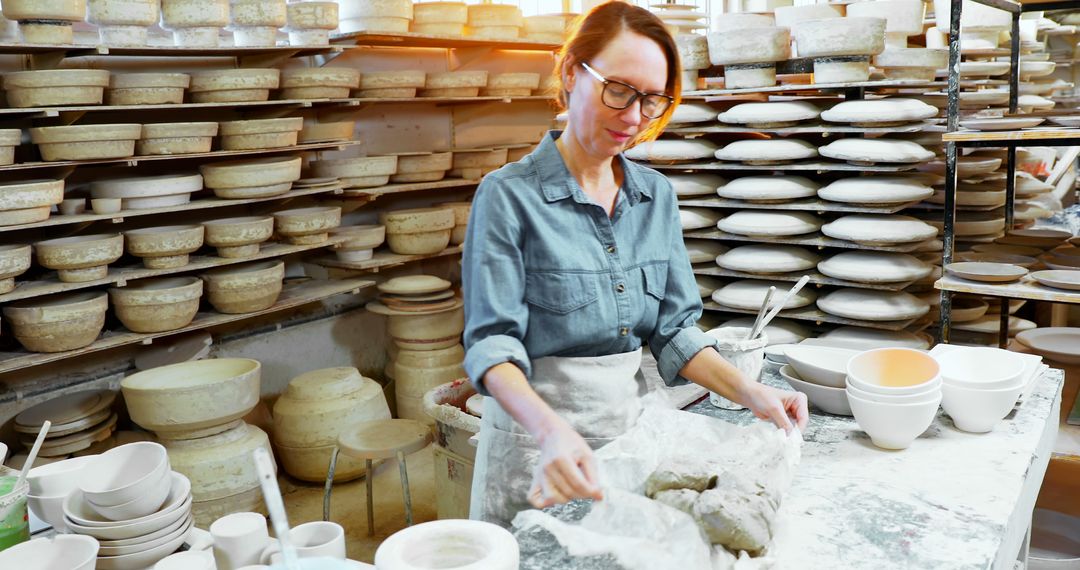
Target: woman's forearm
(508, 385)
(709, 370)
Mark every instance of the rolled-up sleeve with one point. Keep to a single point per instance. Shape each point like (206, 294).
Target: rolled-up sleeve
(493, 282)
(676, 339)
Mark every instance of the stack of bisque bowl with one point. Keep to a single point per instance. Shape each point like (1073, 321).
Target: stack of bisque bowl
(894, 394)
(196, 409)
(316, 408)
(980, 386)
(820, 372)
(425, 319)
(133, 503)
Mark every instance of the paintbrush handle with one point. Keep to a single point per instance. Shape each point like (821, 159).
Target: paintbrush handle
(275, 506)
(761, 313)
(790, 294)
(30, 459)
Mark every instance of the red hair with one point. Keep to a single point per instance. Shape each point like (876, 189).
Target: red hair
(593, 32)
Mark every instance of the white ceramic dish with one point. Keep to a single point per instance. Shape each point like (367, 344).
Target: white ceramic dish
(767, 151)
(982, 368)
(893, 371)
(1068, 279)
(978, 410)
(986, 271)
(820, 365)
(874, 267)
(827, 399)
(61, 552)
(767, 258)
(769, 223)
(862, 338)
(879, 229)
(862, 151)
(57, 479)
(749, 294)
(1059, 344)
(768, 188)
(931, 392)
(49, 510)
(873, 305)
(81, 519)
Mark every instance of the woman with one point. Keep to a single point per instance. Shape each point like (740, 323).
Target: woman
(574, 257)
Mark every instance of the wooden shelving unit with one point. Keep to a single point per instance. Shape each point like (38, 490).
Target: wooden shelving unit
(409, 39)
(815, 239)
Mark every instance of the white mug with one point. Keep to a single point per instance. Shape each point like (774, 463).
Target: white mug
(239, 540)
(311, 540)
(186, 561)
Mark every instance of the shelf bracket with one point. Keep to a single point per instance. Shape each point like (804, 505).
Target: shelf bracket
(47, 59)
(274, 59)
(70, 117)
(460, 57)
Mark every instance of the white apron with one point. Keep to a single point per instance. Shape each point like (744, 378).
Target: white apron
(599, 396)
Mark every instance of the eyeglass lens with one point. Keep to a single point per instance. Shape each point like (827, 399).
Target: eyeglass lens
(619, 96)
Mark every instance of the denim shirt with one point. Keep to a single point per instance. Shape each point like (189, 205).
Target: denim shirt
(546, 272)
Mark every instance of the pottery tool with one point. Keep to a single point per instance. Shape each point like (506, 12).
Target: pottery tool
(776, 310)
(33, 453)
(761, 313)
(276, 506)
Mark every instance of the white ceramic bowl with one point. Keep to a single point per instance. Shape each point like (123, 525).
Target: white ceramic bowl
(124, 473)
(893, 371)
(827, 399)
(130, 549)
(928, 394)
(182, 521)
(820, 365)
(143, 558)
(145, 504)
(893, 426)
(978, 410)
(61, 552)
(80, 518)
(981, 368)
(49, 509)
(56, 479)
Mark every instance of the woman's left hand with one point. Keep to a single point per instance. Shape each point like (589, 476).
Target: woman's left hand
(778, 406)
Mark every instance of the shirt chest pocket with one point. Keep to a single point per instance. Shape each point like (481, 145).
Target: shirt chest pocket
(654, 286)
(559, 292)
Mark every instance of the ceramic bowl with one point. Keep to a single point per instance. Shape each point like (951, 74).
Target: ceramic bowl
(980, 368)
(142, 505)
(893, 426)
(49, 509)
(893, 371)
(929, 393)
(125, 473)
(61, 552)
(238, 237)
(150, 544)
(306, 226)
(820, 365)
(825, 398)
(81, 519)
(192, 395)
(60, 322)
(157, 305)
(164, 247)
(143, 558)
(56, 479)
(978, 410)
(245, 288)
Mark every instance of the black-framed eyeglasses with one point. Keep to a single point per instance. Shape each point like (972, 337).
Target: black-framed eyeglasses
(619, 95)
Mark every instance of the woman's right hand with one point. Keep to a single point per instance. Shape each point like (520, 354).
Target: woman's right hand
(566, 469)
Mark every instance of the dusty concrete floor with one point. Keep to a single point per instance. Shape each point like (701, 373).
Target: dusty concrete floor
(304, 502)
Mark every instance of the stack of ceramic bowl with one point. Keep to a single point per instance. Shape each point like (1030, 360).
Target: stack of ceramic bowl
(359, 242)
(316, 408)
(440, 18)
(79, 420)
(980, 385)
(195, 23)
(425, 320)
(196, 409)
(748, 46)
(310, 23)
(495, 21)
(894, 394)
(50, 485)
(45, 22)
(820, 372)
(418, 231)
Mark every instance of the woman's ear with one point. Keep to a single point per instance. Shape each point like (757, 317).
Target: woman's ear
(568, 76)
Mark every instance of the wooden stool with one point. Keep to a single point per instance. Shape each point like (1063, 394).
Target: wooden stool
(381, 439)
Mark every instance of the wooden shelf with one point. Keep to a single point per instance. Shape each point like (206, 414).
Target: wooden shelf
(813, 128)
(204, 204)
(813, 165)
(382, 259)
(135, 160)
(377, 191)
(446, 100)
(816, 278)
(120, 276)
(880, 84)
(84, 50)
(813, 314)
(409, 39)
(1026, 288)
(815, 239)
(293, 295)
(1031, 136)
(802, 205)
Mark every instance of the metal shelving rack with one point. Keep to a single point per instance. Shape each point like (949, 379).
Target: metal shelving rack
(955, 139)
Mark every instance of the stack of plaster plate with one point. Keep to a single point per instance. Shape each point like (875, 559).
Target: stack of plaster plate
(79, 420)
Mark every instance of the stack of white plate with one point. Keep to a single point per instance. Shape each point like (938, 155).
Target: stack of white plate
(137, 508)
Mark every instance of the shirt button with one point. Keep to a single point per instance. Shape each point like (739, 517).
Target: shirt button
(624, 331)
(620, 287)
(611, 249)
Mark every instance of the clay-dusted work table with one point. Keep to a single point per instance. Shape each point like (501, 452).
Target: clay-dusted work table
(952, 500)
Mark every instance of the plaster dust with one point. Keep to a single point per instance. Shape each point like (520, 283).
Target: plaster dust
(725, 483)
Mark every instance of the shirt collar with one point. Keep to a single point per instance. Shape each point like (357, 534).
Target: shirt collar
(558, 184)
